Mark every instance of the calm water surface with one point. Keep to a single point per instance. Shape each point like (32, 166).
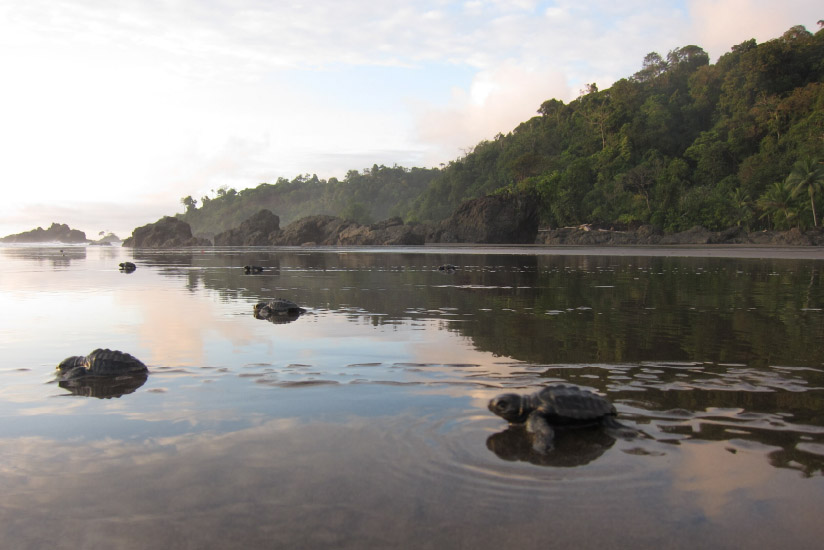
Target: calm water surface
(363, 424)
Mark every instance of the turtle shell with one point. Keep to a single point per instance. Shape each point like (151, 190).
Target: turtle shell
(106, 362)
(282, 305)
(278, 306)
(571, 403)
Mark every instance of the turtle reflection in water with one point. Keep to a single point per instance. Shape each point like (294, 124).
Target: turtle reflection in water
(103, 373)
(278, 311)
(570, 448)
(553, 407)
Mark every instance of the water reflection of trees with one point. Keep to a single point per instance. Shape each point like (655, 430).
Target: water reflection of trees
(58, 257)
(549, 309)
(658, 333)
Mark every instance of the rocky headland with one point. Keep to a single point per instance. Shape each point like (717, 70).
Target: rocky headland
(495, 219)
(167, 232)
(488, 220)
(57, 232)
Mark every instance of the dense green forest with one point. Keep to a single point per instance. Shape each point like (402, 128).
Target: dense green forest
(682, 142)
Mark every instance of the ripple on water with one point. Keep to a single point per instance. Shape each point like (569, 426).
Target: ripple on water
(495, 465)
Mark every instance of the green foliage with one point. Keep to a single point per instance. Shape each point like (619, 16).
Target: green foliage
(779, 205)
(680, 143)
(357, 212)
(807, 176)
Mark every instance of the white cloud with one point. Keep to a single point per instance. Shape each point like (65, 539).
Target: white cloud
(720, 24)
(136, 102)
(497, 101)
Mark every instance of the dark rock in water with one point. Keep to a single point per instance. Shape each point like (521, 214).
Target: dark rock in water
(494, 219)
(127, 267)
(100, 362)
(555, 406)
(167, 232)
(570, 448)
(255, 231)
(251, 269)
(278, 311)
(57, 232)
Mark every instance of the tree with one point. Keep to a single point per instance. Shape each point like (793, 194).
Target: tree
(807, 175)
(189, 203)
(740, 205)
(778, 205)
(654, 65)
(357, 212)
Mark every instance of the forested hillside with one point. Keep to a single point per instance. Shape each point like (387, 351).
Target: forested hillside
(682, 142)
(370, 195)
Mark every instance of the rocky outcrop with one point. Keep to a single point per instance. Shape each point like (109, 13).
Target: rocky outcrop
(494, 219)
(263, 229)
(646, 235)
(57, 232)
(388, 232)
(255, 231)
(167, 232)
(320, 230)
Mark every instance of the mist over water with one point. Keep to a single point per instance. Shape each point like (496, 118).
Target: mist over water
(363, 423)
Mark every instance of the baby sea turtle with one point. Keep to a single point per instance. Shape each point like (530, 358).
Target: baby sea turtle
(128, 267)
(100, 362)
(554, 406)
(278, 310)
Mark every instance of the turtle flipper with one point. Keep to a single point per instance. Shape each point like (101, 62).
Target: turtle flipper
(542, 432)
(616, 429)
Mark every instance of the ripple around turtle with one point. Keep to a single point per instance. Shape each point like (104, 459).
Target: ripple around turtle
(453, 451)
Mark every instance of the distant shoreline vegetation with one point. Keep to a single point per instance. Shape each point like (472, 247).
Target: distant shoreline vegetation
(680, 143)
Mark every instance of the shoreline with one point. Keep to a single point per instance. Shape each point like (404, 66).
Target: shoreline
(740, 251)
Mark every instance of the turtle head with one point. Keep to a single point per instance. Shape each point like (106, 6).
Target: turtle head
(71, 367)
(511, 407)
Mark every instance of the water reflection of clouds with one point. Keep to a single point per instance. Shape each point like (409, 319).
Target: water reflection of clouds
(716, 479)
(290, 482)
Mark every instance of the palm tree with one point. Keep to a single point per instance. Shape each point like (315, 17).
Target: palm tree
(807, 174)
(741, 206)
(777, 204)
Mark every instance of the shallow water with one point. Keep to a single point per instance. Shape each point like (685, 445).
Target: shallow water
(363, 423)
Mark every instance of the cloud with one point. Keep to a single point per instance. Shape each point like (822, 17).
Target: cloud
(130, 103)
(497, 101)
(720, 24)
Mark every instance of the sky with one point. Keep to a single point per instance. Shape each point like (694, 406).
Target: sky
(112, 111)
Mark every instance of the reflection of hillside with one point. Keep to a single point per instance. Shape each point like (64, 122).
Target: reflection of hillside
(549, 309)
(721, 341)
(58, 257)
